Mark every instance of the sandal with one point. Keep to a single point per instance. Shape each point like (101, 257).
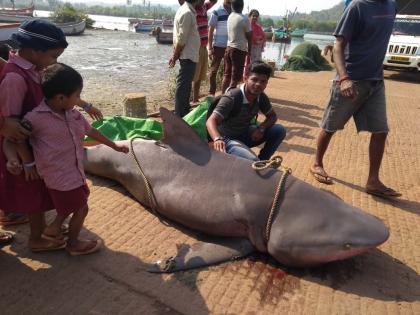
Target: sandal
(51, 246)
(73, 252)
(57, 238)
(321, 175)
(5, 238)
(385, 192)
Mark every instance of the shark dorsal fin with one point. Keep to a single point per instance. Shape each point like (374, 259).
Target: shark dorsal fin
(175, 129)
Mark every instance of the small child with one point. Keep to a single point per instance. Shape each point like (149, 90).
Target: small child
(9, 218)
(57, 137)
(40, 44)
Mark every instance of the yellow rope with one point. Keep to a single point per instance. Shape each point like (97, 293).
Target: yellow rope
(274, 162)
(152, 200)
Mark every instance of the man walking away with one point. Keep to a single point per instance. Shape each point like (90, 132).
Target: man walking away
(186, 49)
(239, 45)
(218, 38)
(362, 37)
(203, 30)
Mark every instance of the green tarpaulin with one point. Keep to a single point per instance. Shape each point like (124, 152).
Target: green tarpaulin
(123, 128)
(306, 57)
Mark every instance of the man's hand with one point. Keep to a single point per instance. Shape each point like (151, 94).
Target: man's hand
(211, 52)
(13, 130)
(14, 167)
(348, 89)
(173, 60)
(94, 113)
(31, 173)
(257, 135)
(219, 145)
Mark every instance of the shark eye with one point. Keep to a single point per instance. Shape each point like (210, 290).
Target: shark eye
(347, 246)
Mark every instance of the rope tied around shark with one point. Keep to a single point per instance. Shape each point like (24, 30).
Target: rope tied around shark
(273, 162)
(152, 200)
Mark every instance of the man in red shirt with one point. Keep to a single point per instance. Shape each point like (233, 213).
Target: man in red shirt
(202, 23)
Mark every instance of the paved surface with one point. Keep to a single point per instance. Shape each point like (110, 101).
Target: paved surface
(114, 281)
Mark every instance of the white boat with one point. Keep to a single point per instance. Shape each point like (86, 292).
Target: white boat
(7, 29)
(72, 28)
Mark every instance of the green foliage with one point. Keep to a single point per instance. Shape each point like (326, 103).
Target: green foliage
(332, 14)
(315, 25)
(68, 13)
(266, 22)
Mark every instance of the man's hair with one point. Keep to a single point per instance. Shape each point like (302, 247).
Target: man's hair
(259, 67)
(60, 79)
(191, 1)
(237, 5)
(4, 51)
(254, 12)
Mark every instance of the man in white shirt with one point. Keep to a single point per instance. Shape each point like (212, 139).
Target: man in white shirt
(239, 45)
(186, 49)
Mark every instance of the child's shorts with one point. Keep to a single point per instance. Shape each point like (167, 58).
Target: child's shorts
(67, 202)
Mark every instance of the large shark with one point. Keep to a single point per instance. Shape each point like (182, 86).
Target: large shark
(222, 195)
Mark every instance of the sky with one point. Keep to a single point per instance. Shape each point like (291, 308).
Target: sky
(267, 7)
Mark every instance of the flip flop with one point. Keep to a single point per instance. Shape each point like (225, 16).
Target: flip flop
(384, 193)
(54, 238)
(51, 246)
(320, 175)
(94, 249)
(5, 238)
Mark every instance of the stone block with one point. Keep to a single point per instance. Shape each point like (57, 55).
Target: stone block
(135, 105)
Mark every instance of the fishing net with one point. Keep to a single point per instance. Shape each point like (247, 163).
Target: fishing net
(306, 57)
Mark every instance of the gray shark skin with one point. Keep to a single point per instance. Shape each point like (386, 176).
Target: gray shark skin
(221, 195)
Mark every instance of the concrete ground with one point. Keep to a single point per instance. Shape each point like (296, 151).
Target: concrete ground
(115, 281)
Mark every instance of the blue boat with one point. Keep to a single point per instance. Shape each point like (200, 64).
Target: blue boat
(146, 25)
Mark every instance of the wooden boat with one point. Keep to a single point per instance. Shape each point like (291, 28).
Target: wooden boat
(69, 28)
(164, 32)
(28, 11)
(165, 35)
(7, 29)
(18, 18)
(146, 25)
(72, 28)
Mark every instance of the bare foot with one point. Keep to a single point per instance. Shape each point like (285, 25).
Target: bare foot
(321, 175)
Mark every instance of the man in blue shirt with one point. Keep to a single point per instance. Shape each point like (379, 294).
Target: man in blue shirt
(362, 36)
(218, 38)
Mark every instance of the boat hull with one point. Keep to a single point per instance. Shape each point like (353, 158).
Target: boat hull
(72, 28)
(29, 11)
(6, 30)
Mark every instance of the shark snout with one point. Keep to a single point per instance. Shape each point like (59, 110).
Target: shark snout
(322, 230)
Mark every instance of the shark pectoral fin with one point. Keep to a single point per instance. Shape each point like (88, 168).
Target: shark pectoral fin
(204, 254)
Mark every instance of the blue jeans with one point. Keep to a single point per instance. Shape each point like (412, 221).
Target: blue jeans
(240, 146)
